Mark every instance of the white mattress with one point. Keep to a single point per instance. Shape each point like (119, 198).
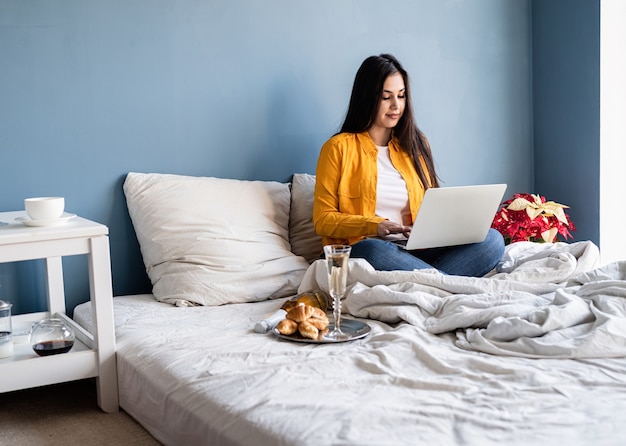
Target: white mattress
(202, 376)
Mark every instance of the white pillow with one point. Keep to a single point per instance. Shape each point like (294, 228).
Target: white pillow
(212, 241)
(304, 240)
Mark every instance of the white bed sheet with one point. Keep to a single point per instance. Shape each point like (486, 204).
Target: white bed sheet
(201, 376)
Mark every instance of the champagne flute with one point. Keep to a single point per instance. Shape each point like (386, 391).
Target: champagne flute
(337, 260)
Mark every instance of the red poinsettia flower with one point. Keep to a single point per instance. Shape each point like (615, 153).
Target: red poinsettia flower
(529, 217)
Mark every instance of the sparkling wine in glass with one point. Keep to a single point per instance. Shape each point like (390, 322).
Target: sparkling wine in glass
(337, 261)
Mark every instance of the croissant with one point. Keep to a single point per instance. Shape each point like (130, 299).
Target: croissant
(287, 327)
(318, 322)
(318, 313)
(300, 313)
(307, 330)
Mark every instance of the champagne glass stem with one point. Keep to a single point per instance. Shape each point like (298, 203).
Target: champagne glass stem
(337, 313)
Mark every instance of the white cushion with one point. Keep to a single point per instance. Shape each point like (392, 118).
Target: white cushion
(212, 241)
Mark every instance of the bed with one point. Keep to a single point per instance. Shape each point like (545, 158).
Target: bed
(532, 353)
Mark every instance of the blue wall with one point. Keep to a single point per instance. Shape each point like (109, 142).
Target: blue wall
(93, 89)
(566, 108)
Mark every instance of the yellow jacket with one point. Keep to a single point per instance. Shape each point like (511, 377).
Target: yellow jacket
(345, 189)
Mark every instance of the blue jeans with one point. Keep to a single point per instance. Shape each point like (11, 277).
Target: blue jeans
(474, 260)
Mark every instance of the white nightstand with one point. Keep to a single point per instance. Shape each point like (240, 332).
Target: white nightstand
(93, 354)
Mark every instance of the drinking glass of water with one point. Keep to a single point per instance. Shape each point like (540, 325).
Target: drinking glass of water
(6, 338)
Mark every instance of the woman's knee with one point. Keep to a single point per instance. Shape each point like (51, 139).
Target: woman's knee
(493, 250)
(495, 242)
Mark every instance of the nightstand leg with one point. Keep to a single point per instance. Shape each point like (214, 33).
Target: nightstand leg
(102, 309)
(56, 290)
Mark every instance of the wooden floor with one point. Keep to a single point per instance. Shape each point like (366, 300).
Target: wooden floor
(65, 414)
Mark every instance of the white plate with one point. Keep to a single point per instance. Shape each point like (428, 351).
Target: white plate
(40, 223)
(354, 330)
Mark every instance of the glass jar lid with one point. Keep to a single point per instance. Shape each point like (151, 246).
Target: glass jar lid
(4, 305)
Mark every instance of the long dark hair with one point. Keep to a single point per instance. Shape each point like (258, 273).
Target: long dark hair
(366, 95)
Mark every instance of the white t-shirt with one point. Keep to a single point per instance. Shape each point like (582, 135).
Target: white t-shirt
(392, 197)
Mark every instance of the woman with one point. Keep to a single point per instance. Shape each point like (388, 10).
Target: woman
(371, 178)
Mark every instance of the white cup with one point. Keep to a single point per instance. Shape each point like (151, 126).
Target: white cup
(44, 208)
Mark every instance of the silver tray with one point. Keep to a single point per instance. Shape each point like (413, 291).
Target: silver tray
(354, 330)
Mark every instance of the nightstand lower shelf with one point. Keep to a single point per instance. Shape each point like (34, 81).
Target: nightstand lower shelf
(27, 369)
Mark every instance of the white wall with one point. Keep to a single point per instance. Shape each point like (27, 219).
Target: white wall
(612, 130)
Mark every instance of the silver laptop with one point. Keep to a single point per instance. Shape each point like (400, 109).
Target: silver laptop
(455, 215)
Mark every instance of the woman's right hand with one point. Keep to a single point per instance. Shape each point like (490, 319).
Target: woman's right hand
(387, 227)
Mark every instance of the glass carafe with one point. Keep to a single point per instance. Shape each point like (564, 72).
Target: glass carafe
(51, 337)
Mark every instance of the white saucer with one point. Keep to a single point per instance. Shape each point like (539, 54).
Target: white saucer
(39, 223)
